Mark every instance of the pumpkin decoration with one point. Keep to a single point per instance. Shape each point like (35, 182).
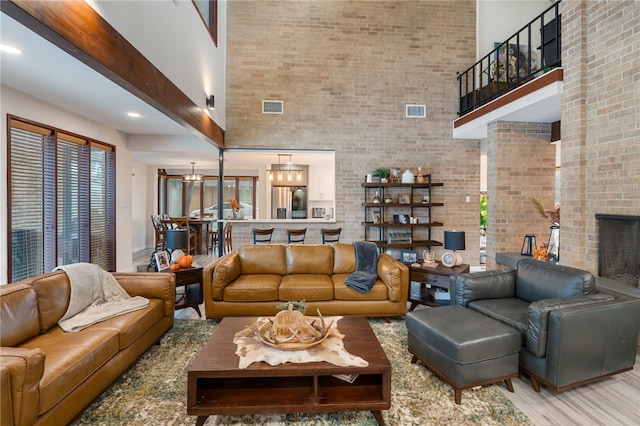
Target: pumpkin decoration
(185, 261)
(174, 267)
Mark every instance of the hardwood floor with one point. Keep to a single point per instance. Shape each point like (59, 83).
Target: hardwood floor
(612, 402)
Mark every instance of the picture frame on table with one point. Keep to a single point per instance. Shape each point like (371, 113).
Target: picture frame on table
(162, 260)
(408, 256)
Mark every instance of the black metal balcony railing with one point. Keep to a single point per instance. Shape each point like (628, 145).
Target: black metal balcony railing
(513, 62)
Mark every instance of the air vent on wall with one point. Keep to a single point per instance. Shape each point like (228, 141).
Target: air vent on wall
(272, 107)
(416, 111)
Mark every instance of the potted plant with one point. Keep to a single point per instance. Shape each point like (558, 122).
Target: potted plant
(383, 173)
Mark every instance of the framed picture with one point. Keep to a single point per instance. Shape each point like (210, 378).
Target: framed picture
(402, 219)
(404, 199)
(375, 217)
(162, 260)
(408, 256)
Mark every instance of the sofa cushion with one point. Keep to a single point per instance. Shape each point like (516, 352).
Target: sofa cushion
(54, 291)
(262, 259)
(310, 287)
(344, 258)
(309, 259)
(509, 311)
(538, 318)
(253, 288)
(536, 280)
(70, 359)
(379, 291)
(132, 325)
(19, 317)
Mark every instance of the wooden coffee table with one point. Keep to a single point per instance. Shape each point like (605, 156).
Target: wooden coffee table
(217, 386)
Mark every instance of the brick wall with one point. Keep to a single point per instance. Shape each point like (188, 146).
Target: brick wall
(600, 126)
(345, 70)
(520, 165)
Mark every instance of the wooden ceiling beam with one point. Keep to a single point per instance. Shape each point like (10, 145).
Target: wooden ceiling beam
(81, 32)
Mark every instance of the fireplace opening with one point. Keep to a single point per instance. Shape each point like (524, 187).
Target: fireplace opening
(619, 248)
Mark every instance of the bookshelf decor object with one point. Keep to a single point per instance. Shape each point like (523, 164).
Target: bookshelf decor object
(406, 215)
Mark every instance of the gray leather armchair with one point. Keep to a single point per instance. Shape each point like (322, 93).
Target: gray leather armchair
(571, 333)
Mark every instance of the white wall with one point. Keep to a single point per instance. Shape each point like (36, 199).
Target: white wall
(21, 105)
(143, 235)
(497, 20)
(173, 37)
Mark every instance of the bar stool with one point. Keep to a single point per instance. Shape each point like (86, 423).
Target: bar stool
(330, 235)
(262, 235)
(296, 235)
(227, 238)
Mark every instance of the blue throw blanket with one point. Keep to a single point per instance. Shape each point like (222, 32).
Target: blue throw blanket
(366, 274)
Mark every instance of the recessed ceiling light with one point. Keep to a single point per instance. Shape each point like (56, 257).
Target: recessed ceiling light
(10, 49)
(133, 114)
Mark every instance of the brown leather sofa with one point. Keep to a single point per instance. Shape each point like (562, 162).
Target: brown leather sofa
(48, 376)
(256, 278)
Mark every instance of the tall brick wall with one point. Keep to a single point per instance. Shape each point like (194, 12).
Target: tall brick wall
(345, 70)
(600, 125)
(520, 165)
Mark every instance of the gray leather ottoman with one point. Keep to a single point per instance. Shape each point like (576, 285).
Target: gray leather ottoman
(463, 347)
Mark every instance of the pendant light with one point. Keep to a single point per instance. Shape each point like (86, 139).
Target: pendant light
(193, 177)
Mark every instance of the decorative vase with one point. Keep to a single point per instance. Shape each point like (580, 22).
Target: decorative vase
(376, 198)
(408, 177)
(553, 248)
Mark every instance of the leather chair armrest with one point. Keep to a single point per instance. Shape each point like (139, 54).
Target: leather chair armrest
(152, 285)
(395, 275)
(496, 284)
(590, 340)
(22, 370)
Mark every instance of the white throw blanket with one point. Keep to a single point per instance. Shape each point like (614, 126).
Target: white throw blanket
(95, 296)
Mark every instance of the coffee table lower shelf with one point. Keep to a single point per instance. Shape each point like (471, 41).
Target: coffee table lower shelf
(289, 388)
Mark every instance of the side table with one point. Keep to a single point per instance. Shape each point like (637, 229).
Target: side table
(422, 278)
(188, 287)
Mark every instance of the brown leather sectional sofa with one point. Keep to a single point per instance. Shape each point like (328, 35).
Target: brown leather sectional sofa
(256, 278)
(48, 376)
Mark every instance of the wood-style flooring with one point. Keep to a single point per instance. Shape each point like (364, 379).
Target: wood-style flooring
(614, 401)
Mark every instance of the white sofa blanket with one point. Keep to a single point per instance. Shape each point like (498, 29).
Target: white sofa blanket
(95, 296)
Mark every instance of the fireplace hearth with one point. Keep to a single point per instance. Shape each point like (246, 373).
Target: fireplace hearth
(619, 248)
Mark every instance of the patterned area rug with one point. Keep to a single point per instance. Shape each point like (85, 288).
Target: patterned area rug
(154, 391)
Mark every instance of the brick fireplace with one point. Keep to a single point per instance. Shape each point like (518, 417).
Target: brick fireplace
(619, 248)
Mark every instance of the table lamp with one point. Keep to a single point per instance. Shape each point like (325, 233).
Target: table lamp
(177, 242)
(453, 240)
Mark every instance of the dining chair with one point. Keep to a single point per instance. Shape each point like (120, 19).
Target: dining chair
(296, 235)
(262, 235)
(160, 232)
(183, 223)
(330, 235)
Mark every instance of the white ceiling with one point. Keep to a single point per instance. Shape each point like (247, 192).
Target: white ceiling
(46, 72)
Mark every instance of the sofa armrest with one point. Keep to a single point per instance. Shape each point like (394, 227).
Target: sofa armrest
(218, 274)
(590, 340)
(496, 284)
(152, 285)
(22, 370)
(395, 275)
(538, 318)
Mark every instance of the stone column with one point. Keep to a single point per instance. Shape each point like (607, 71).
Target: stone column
(520, 165)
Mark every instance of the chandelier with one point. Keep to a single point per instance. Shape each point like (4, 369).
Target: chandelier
(193, 177)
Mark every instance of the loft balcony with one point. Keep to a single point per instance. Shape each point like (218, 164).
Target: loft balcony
(519, 80)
